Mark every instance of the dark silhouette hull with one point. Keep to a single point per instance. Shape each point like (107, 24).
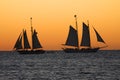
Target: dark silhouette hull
(83, 50)
(31, 52)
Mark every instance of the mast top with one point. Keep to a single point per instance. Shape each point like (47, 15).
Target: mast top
(76, 21)
(31, 21)
(75, 16)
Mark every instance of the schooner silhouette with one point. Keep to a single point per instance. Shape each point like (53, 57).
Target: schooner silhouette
(22, 44)
(73, 40)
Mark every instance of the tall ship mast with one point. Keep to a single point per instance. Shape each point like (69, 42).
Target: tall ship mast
(85, 45)
(22, 44)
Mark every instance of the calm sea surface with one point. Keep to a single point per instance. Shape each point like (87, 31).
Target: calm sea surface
(103, 65)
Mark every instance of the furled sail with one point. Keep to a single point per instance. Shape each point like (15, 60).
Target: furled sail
(99, 38)
(18, 44)
(25, 39)
(72, 39)
(85, 36)
(35, 41)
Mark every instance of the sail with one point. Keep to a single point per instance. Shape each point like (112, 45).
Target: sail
(35, 42)
(99, 38)
(25, 39)
(72, 39)
(85, 36)
(18, 44)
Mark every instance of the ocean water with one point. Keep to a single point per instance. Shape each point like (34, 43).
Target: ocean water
(103, 65)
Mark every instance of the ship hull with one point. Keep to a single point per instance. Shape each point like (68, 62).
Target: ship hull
(83, 50)
(31, 52)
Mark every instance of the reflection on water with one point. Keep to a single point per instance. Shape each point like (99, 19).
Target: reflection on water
(103, 65)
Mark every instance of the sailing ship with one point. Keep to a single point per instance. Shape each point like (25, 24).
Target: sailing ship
(85, 46)
(22, 44)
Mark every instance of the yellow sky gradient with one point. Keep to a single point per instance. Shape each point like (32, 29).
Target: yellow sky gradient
(51, 19)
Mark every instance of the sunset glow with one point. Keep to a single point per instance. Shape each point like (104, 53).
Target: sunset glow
(51, 19)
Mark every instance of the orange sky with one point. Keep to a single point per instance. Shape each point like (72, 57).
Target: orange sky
(52, 18)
